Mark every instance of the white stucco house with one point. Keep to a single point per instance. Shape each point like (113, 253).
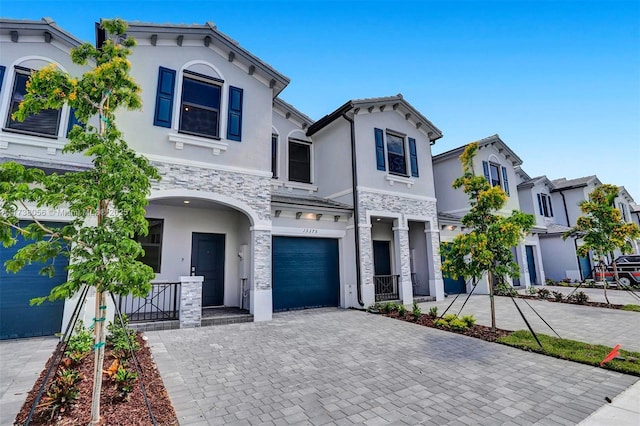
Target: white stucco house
(501, 167)
(259, 207)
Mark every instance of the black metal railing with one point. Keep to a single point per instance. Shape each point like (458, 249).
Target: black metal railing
(161, 304)
(386, 287)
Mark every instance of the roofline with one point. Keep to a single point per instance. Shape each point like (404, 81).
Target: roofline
(575, 186)
(481, 143)
(45, 23)
(354, 104)
(303, 118)
(210, 29)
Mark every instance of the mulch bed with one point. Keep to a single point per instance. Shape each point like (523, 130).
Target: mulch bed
(112, 411)
(478, 331)
(594, 304)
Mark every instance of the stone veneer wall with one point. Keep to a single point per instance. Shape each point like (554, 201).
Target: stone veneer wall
(252, 190)
(369, 201)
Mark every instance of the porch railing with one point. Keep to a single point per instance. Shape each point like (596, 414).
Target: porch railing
(161, 304)
(386, 287)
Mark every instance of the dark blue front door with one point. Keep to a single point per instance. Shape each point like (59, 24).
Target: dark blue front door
(207, 260)
(531, 264)
(17, 318)
(305, 273)
(585, 267)
(381, 258)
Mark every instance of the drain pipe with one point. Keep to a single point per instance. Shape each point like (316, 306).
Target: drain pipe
(356, 210)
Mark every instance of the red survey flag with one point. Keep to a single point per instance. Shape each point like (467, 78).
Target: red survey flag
(614, 353)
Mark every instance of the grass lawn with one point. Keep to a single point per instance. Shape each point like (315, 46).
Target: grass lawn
(634, 308)
(572, 350)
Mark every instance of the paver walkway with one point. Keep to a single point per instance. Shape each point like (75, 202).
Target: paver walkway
(332, 366)
(585, 323)
(21, 362)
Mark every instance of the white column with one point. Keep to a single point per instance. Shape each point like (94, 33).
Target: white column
(436, 285)
(191, 301)
(366, 265)
(261, 298)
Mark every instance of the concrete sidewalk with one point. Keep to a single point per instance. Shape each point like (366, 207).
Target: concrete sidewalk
(21, 362)
(624, 410)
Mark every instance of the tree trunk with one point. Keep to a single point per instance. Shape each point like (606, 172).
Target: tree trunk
(604, 281)
(492, 302)
(100, 313)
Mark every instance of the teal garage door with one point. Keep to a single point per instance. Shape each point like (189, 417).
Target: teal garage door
(453, 286)
(17, 318)
(305, 273)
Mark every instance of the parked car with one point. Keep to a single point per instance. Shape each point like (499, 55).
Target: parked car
(628, 267)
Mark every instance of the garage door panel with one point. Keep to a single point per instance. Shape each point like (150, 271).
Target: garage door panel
(17, 318)
(305, 273)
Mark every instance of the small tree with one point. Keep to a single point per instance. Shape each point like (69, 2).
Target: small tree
(112, 194)
(602, 229)
(486, 247)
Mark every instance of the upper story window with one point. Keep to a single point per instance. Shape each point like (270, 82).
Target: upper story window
(200, 105)
(496, 175)
(201, 108)
(623, 210)
(274, 156)
(299, 161)
(152, 244)
(396, 146)
(45, 123)
(544, 205)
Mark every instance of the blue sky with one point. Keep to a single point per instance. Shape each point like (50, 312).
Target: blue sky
(558, 81)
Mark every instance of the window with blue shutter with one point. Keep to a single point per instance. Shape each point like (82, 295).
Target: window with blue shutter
(485, 168)
(380, 149)
(234, 122)
(164, 97)
(413, 154)
(2, 69)
(505, 181)
(73, 120)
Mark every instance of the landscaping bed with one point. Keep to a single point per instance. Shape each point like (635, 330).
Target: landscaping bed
(591, 354)
(114, 408)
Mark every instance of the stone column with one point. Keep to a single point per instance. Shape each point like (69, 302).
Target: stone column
(436, 285)
(261, 301)
(403, 263)
(191, 301)
(366, 265)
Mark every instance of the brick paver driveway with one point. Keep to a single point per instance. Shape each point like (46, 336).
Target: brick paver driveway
(331, 366)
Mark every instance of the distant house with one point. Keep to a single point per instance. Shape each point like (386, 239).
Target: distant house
(501, 167)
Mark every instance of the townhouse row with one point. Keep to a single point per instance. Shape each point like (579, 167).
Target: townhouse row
(259, 206)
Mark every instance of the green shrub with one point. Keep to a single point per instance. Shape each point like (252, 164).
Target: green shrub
(375, 308)
(557, 296)
(469, 320)
(125, 382)
(549, 281)
(62, 392)
(580, 298)
(543, 293)
(504, 289)
(458, 324)
(416, 312)
(532, 291)
(389, 307)
(121, 337)
(402, 310)
(433, 311)
(80, 343)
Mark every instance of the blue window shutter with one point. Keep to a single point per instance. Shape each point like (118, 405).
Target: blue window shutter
(505, 180)
(164, 97)
(540, 205)
(413, 153)
(2, 69)
(550, 208)
(234, 123)
(73, 120)
(485, 168)
(380, 149)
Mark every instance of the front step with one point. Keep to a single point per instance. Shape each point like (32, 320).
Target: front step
(420, 299)
(223, 320)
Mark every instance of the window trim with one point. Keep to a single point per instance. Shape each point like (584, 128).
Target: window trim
(213, 81)
(404, 152)
(544, 204)
(27, 71)
(275, 143)
(301, 142)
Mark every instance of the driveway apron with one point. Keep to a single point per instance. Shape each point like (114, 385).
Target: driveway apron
(332, 366)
